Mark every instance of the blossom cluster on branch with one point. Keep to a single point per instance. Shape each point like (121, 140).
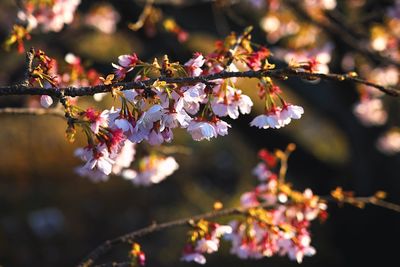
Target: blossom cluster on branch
(150, 114)
(273, 219)
(282, 229)
(201, 96)
(300, 30)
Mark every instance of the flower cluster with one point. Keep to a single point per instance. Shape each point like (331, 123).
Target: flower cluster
(302, 43)
(45, 73)
(150, 113)
(103, 17)
(152, 170)
(389, 142)
(48, 15)
(282, 227)
(275, 116)
(276, 220)
(204, 239)
(137, 256)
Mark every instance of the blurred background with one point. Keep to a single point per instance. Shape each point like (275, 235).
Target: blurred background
(49, 216)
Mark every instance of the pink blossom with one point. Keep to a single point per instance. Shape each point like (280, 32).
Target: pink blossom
(262, 172)
(194, 256)
(208, 244)
(128, 61)
(97, 119)
(97, 158)
(104, 18)
(389, 143)
(152, 170)
(50, 17)
(201, 130)
(119, 71)
(290, 112)
(192, 97)
(194, 65)
(46, 101)
(93, 175)
(272, 120)
(230, 102)
(124, 157)
(370, 112)
(221, 127)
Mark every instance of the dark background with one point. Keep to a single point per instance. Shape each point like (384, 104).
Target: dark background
(51, 217)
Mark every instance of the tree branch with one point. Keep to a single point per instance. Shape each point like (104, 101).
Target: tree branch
(32, 111)
(336, 31)
(283, 73)
(126, 238)
(155, 227)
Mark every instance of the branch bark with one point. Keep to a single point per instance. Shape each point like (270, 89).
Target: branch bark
(282, 73)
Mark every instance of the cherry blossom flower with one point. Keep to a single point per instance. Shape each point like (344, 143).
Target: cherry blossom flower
(192, 97)
(209, 243)
(231, 102)
(200, 130)
(93, 175)
(194, 65)
(97, 119)
(270, 120)
(193, 256)
(124, 158)
(96, 158)
(46, 101)
(49, 17)
(389, 143)
(128, 61)
(262, 172)
(221, 127)
(290, 112)
(103, 17)
(152, 170)
(371, 112)
(173, 118)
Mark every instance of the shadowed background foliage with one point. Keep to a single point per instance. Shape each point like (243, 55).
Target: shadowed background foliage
(49, 216)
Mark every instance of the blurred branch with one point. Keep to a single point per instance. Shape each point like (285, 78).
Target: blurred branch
(32, 111)
(29, 61)
(115, 264)
(142, 17)
(283, 73)
(155, 227)
(337, 31)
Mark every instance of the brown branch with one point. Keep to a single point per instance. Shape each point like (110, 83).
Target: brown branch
(32, 111)
(106, 246)
(115, 264)
(336, 31)
(275, 73)
(29, 61)
(155, 227)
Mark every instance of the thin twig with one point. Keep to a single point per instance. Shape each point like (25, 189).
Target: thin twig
(126, 238)
(32, 111)
(336, 31)
(29, 61)
(115, 264)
